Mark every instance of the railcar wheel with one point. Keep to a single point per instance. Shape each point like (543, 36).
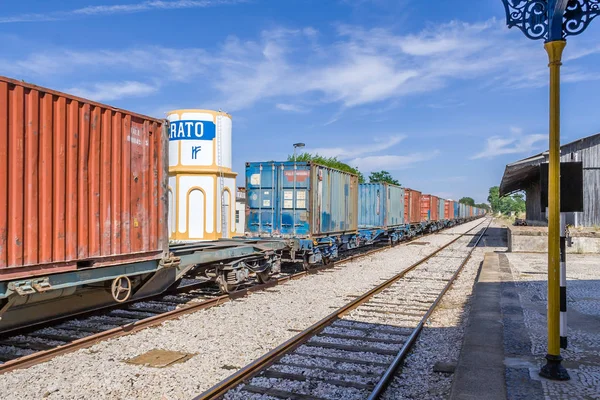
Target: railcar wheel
(121, 289)
(327, 261)
(263, 277)
(305, 263)
(225, 286)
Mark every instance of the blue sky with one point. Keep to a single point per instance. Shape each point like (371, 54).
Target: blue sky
(439, 93)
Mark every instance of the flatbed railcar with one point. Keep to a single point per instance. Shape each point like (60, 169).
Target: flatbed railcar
(317, 211)
(83, 210)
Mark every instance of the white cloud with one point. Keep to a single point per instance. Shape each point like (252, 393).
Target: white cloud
(345, 153)
(359, 67)
(391, 162)
(157, 62)
(514, 144)
(367, 158)
(515, 130)
(291, 108)
(108, 91)
(116, 9)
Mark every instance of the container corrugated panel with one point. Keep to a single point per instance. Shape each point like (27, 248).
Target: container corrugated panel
(449, 210)
(441, 207)
(300, 200)
(82, 184)
(435, 208)
(412, 206)
(425, 207)
(380, 205)
(456, 206)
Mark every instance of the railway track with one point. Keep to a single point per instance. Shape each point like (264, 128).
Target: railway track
(354, 352)
(33, 346)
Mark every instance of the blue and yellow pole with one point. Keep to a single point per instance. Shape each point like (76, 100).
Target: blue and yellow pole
(553, 368)
(553, 20)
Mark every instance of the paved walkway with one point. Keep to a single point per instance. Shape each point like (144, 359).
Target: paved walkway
(505, 340)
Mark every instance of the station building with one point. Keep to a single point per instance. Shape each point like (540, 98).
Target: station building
(240, 211)
(524, 175)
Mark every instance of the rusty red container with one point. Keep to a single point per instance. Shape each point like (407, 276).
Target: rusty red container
(449, 210)
(435, 208)
(426, 207)
(430, 208)
(82, 184)
(412, 206)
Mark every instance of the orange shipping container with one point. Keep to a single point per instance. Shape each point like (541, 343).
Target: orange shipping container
(430, 208)
(82, 184)
(425, 207)
(435, 208)
(449, 210)
(412, 206)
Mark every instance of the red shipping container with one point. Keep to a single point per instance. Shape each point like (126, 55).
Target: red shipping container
(425, 207)
(435, 208)
(82, 184)
(449, 210)
(412, 206)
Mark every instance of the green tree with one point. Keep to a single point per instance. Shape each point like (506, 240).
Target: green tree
(382, 177)
(494, 198)
(506, 204)
(467, 200)
(483, 206)
(331, 162)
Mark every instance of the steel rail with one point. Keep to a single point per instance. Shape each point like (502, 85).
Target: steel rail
(88, 341)
(290, 345)
(389, 374)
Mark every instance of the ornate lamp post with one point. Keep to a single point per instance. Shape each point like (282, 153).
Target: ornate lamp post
(553, 21)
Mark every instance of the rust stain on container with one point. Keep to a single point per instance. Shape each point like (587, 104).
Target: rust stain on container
(412, 206)
(79, 183)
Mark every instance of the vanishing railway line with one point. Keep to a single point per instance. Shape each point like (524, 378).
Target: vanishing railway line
(355, 351)
(31, 346)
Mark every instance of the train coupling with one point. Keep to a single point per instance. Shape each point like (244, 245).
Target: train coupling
(171, 261)
(24, 288)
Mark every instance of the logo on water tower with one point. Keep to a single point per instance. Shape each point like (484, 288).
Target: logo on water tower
(192, 130)
(195, 152)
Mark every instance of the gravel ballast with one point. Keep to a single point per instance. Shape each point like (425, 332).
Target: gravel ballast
(441, 339)
(222, 338)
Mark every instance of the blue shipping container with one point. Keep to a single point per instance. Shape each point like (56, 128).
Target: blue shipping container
(380, 205)
(463, 211)
(441, 209)
(303, 199)
(456, 210)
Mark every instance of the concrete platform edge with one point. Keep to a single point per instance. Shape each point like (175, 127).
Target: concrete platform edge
(480, 372)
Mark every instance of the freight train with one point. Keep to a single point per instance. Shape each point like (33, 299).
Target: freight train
(84, 216)
(316, 211)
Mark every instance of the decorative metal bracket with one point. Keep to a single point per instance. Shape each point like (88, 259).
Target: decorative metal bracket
(540, 19)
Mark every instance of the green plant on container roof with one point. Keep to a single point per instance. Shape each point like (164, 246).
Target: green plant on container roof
(331, 162)
(383, 177)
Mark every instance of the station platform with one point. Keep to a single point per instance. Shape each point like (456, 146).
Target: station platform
(505, 339)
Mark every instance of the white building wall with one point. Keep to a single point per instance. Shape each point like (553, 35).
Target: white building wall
(240, 218)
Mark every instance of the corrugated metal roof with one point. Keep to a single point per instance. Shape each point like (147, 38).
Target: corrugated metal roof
(520, 174)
